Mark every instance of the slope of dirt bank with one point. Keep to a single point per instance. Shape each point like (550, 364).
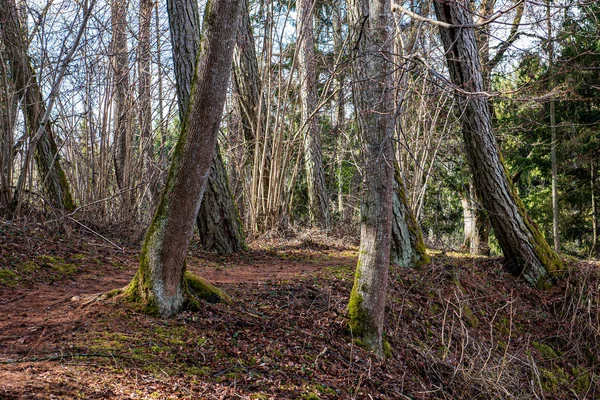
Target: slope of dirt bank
(459, 328)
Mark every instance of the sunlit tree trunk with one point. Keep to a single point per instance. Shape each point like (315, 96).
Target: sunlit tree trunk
(525, 249)
(47, 159)
(374, 96)
(318, 202)
(218, 219)
(159, 283)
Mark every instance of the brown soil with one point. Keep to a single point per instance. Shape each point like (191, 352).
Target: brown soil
(460, 328)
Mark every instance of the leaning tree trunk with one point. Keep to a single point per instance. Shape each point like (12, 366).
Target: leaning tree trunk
(526, 251)
(159, 283)
(47, 159)
(373, 93)
(407, 248)
(227, 234)
(318, 203)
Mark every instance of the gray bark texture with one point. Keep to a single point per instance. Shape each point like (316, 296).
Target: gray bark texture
(247, 81)
(145, 100)
(526, 251)
(374, 98)
(122, 97)
(318, 201)
(220, 229)
(407, 248)
(47, 159)
(159, 282)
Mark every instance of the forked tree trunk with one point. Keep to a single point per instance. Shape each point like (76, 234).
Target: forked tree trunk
(407, 248)
(226, 234)
(159, 283)
(373, 93)
(47, 159)
(526, 251)
(318, 202)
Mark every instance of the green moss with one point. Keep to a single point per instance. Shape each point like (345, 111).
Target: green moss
(582, 381)
(387, 349)
(471, 319)
(8, 277)
(551, 379)
(197, 288)
(358, 318)
(547, 257)
(28, 267)
(310, 396)
(78, 257)
(547, 352)
(58, 264)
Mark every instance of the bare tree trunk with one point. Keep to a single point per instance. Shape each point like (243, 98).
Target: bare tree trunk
(8, 116)
(407, 248)
(145, 102)
(122, 96)
(47, 159)
(594, 176)
(318, 201)
(374, 96)
(220, 228)
(159, 283)
(525, 249)
(550, 50)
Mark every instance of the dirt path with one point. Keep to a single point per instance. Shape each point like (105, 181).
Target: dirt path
(36, 319)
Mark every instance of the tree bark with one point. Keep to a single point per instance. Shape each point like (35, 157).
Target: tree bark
(159, 283)
(145, 102)
(47, 158)
(526, 251)
(318, 202)
(122, 96)
(407, 248)
(373, 94)
(227, 234)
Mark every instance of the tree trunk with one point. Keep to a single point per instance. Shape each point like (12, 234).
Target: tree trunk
(550, 50)
(318, 202)
(8, 117)
(227, 235)
(373, 94)
(47, 159)
(594, 176)
(122, 97)
(159, 283)
(476, 223)
(407, 246)
(145, 103)
(525, 249)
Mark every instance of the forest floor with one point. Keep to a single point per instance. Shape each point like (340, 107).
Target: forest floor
(461, 327)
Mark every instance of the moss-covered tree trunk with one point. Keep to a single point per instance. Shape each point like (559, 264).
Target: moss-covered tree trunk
(526, 251)
(373, 94)
(226, 234)
(47, 159)
(407, 248)
(318, 201)
(159, 283)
